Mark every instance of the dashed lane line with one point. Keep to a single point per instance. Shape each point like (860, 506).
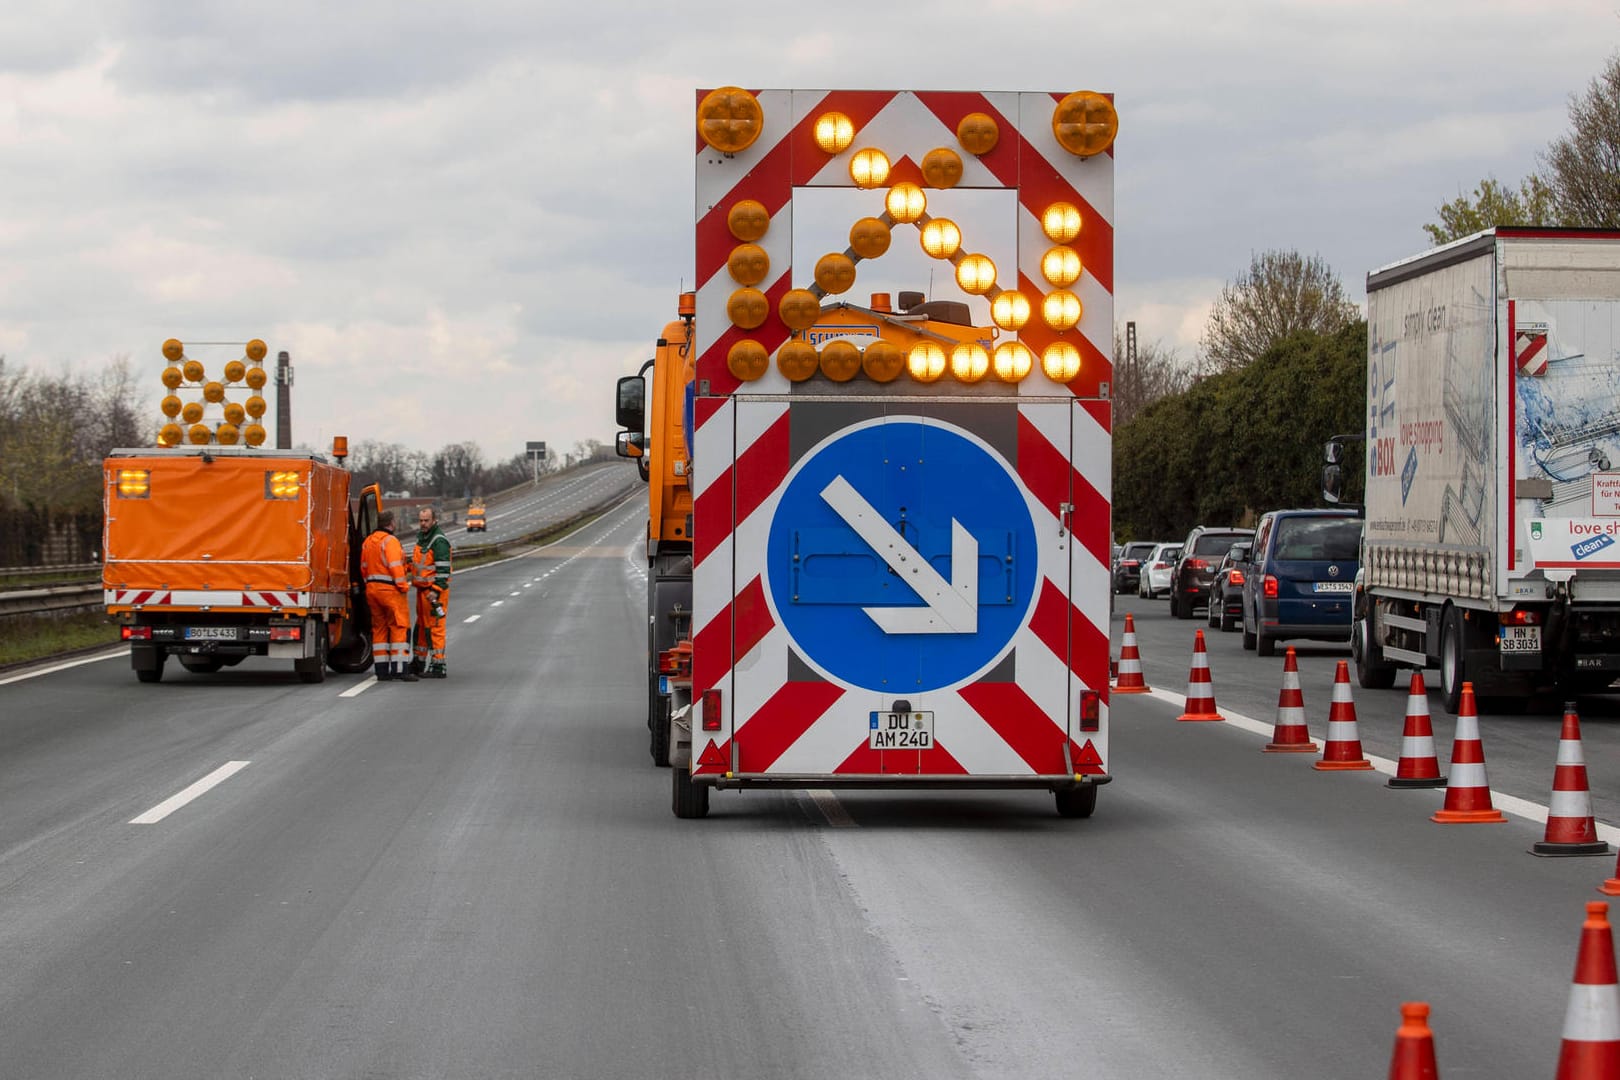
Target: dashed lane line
(201, 787)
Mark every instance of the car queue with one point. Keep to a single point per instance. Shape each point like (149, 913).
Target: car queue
(1291, 577)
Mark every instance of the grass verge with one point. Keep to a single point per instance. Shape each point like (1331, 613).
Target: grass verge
(35, 637)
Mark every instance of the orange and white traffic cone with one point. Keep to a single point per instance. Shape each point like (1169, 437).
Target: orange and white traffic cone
(1611, 887)
(1418, 767)
(1129, 680)
(1468, 792)
(1591, 1046)
(1200, 690)
(1414, 1045)
(1290, 735)
(1571, 829)
(1343, 750)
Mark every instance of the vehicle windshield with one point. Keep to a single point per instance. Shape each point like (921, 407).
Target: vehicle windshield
(1213, 544)
(1318, 538)
(1137, 551)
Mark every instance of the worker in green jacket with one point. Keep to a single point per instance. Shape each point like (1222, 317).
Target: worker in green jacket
(430, 576)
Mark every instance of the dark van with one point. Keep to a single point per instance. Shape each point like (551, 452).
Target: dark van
(1302, 578)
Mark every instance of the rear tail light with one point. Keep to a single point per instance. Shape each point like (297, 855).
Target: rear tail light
(1197, 564)
(1270, 587)
(1235, 577)
(1521, 618)
(286, 633)
(135, 633)
(711, 710)
(1090, 710)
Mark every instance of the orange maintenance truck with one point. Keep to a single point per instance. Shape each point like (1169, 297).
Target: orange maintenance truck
(215, 551)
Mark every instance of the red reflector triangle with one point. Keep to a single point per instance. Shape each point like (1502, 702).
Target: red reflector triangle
(712, 756)
(1087, 756)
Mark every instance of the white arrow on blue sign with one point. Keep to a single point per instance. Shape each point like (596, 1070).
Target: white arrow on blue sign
(901, 556)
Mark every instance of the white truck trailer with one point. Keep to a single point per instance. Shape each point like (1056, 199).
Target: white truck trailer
(1493, 466)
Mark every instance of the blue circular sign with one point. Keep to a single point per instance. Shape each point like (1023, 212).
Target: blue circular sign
(902, 556)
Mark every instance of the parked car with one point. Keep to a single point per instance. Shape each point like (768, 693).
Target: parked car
(1155, 578)
(1194, 571)
(1301, 579)
(1128, 565)
(1226, 593)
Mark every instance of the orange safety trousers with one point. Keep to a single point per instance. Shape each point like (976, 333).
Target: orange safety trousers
(390, 626)
(430, 627)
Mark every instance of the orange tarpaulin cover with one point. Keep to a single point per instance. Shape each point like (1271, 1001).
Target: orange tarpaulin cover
(211, 524)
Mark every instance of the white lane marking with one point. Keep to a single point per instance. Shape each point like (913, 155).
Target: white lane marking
(64, 666)
(831, 809)
(514, 594)
(1509, 804)
(472, 618)
(356, 691)
(526, 585)
(201, 787)
(496, 603)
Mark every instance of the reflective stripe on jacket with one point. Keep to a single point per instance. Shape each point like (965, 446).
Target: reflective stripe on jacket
(430, 559)
(382, 559)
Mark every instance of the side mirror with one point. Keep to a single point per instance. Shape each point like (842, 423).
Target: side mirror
(630, 405)
(1332, 482)
(628, 444)
(1333, 452)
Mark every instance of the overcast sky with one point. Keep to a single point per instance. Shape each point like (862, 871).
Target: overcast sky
(465, 220)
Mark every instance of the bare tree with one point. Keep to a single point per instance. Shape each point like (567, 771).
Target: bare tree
(1155, 372)
(1280, 293)
(1583, 167)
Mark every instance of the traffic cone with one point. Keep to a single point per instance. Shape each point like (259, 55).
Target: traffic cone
(1414, 1045)
(1571, 829)
(1418, 767)
(1468, 792)
(1200, 691)
(1591, 1047)
(1611, 887)
(1290, 735)
(1130, 679)
(1343, 740)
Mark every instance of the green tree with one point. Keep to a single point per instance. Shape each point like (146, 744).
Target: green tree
(1243, 442)
(1281, 293)
(1494, 203)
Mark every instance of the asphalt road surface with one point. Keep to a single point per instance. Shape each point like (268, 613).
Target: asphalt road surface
(555, 499)
(481, 877)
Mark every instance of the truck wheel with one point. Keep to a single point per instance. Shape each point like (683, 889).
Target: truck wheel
(354, 658)
(1372, 673)
(688, 799)
(659, 743)
(201, 665)
(1453, 665)
(1077, 802)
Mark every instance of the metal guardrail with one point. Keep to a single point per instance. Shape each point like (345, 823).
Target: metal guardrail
(41, 571)
(56, 598)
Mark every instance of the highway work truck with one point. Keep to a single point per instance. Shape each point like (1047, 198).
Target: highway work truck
(879, 534)
(214, 551)
(1492, 447)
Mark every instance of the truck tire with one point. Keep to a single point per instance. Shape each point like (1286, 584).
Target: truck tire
(687, 799)
(201, 665)
(1453, 660)
(353, 658)
(1077, 802)
(1372, 672)
(151, 670)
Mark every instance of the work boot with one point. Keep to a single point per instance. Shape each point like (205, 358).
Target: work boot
(409, 676)
(436, 671)
(417, 666)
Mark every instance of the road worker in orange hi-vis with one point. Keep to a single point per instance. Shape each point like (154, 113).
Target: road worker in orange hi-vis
(382, 567)
(430, 574)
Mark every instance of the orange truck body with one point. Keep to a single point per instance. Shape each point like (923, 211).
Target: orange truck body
(214, 555)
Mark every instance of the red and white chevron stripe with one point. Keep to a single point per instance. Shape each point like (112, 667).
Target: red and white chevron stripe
(1021, 719)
